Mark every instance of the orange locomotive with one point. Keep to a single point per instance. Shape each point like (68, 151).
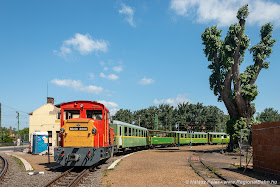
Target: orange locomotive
(85, 135)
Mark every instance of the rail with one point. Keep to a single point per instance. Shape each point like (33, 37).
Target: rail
(5, 167)
(211, 170)
(68, 178)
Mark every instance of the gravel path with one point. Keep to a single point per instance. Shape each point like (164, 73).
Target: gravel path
(16, 176)
(157, 167)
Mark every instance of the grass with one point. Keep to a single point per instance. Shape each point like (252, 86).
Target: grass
(19, 163)
(105, 173)
(118, 163)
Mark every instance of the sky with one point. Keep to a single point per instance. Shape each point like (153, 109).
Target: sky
(125, 54)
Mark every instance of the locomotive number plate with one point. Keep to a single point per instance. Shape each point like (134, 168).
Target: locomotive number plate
(78, 128)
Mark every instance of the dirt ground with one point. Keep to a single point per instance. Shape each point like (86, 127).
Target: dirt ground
(228, 166)
(170, 167)
(157, 167)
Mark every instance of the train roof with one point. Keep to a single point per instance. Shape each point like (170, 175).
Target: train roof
(186, 132)
(217, 133)
(127, 124)
(82, 102)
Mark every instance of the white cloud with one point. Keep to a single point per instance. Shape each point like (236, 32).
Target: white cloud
(172, 101)
(84, 44)
(77, 85)
(223, 12)
(129, 13)
(106, 68)
(118, 69)
(112, 106)
(108, 104)
(110, 77)
(146, 81)
(91, 76)
(113, 111)
(68, 83)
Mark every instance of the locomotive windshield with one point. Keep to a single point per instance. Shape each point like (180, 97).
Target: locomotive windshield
(95, 114)
(69, 114)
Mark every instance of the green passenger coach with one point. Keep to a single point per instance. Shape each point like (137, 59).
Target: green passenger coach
(128, 135)
(162, 138)
(218, 137)
(184, 137)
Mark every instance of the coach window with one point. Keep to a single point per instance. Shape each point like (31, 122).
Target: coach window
(120, 130)
(125, 131)
(69, 114)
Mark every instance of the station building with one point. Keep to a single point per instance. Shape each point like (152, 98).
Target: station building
(45, 119)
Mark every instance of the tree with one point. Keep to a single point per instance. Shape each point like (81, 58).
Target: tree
(269, 115)
(124, 116)
(226, 56)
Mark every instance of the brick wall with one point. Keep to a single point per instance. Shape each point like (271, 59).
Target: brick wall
(266, 147)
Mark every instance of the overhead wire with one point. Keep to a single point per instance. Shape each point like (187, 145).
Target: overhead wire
(15, 109)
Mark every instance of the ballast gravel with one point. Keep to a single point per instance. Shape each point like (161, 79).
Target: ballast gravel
(16, 176)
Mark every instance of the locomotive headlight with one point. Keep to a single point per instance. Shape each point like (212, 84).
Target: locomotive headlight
(62, 130)
(94, 131)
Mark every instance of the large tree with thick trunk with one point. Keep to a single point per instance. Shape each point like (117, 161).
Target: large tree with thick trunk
(237, 90)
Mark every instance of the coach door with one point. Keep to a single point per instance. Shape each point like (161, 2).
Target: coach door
(120, 136)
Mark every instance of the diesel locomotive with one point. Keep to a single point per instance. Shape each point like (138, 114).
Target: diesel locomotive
(87, 137)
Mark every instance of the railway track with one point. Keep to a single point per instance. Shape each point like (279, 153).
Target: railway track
(210, 175)
(69, 178)
(3, 167)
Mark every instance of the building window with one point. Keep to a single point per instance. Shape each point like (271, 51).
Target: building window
(58, 115)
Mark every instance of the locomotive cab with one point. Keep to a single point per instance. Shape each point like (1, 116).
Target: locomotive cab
(84, 134)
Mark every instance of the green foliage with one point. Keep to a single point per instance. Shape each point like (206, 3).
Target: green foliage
(262, 50)
(6, 139)
(269, 115)
(243, 12)
(235, 125)
(185, 115)
(123, 115)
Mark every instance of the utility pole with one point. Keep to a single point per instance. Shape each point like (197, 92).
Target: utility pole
(156, 122)
(139, 120)
(18, 124)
